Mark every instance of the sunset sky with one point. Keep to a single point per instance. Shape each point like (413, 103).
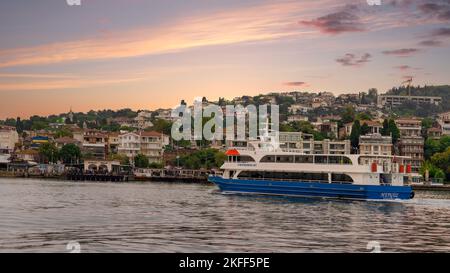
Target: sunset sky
(147, 54)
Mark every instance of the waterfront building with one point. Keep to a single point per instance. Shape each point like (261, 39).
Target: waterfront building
(150, 144)
(8, 138)
(393, 100)
(412, 146)
(95, 144)
(409, 126)
(411, 142)
(375, 145)
(28, 155)
(102, 166)
(113, 142)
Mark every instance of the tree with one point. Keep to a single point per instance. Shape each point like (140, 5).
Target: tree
(385, 130)
(162, 126)
(70, 154)
(206, 158)
(63, 133)
(19, 125)
(348, 115)
(433, 171)
(442, 161)
(123, 159)
(364, 116)
(141, 161)
(365, 129)
(434, 146)
(49, 152)
(354, 136)
(395, 132)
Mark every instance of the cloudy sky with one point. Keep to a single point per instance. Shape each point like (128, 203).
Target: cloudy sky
(146, 54)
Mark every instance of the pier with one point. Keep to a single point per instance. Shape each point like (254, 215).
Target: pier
(172, 175)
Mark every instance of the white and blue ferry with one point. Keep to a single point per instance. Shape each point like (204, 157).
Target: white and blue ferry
(265, 168)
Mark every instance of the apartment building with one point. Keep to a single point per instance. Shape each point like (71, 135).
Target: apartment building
(444, 122)
(411, 142)
(392, 100)
(95, 144)
(150, 144)
(8, 139)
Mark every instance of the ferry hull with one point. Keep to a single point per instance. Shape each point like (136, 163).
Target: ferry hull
(313, 189)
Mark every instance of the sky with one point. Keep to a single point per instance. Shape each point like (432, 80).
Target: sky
(149, 54)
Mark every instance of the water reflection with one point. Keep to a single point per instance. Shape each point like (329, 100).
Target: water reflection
(43, 216)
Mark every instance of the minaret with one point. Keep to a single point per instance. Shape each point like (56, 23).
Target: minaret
(70, 115)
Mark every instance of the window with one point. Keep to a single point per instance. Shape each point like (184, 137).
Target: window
(268, 158)
(341, 178)
(304, 159)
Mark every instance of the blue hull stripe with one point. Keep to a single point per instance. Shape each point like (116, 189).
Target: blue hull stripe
(314, 189)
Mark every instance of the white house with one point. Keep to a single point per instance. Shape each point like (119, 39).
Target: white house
(8, 138)
(150, 144)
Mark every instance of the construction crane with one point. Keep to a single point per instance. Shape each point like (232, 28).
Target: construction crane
(409, 81)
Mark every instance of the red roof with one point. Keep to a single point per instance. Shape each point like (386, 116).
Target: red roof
(232, 152)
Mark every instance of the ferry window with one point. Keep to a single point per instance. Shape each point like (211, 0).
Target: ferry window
(341, 178)
(268, 158)
(285, 159)
(321, 159)
(335, 159)
(245, 158)
(304, 159)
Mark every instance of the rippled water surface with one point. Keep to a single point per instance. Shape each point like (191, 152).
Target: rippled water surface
(43, 216)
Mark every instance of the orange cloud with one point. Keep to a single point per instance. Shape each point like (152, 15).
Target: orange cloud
(265, 22)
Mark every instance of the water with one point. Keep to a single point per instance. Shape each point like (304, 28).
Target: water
(44, 216)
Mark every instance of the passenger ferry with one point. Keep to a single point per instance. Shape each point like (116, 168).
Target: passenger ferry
(265, 168)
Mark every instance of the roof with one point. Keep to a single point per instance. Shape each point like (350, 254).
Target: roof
(151, 134)
(434, 129)
(371, 123)
(232, 152)
(6, 127)
(66, 140)
(27, 152)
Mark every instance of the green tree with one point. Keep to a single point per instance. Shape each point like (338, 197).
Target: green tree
(433, 171)
(63, 133)
(70, 154)
(141, 161)
(442, 161)
(385, 130)
(49, 152)
(394, 131)
(348, 115)
(162, 126)
(123, 159)
(365, 129)
(354, 135)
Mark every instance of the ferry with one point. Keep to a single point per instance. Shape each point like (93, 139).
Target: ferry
(266, 169)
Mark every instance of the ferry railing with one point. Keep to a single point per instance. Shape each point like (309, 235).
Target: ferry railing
(296, 180)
